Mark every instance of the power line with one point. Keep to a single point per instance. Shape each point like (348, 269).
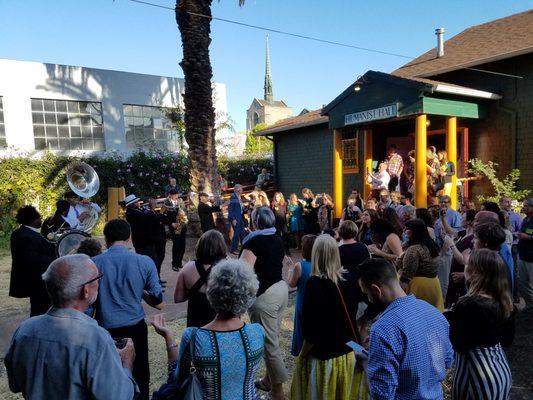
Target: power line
(312, 38)
(263, 28)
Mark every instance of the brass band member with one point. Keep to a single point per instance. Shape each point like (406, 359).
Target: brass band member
(176, 219)
(144, 226)
(205, 212)
(31, 254)
(56, 222)
(79, 210)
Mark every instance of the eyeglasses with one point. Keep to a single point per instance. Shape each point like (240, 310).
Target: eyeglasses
(444, 202)
(97, 278)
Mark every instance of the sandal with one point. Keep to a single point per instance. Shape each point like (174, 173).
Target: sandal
(261, 386)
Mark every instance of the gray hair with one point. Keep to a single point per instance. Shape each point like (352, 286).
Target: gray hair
(231, 287)
(408, 210)
(263, 218)
(445, 197)
(65, 277)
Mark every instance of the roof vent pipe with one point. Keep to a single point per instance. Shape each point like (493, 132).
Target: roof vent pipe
(440, 42)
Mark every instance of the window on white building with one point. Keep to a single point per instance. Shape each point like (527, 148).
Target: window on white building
(67, 125)
(149, 127)
(3, 142)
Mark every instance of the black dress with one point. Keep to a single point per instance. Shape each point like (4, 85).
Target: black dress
(199, 311)
(310, 213)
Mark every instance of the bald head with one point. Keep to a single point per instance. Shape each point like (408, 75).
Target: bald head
(483, 217)
(66, 276)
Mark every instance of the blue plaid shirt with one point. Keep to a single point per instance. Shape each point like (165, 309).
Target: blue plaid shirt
(410, 351)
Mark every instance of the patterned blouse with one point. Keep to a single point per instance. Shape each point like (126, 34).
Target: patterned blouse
(226, 362)
(417, 261)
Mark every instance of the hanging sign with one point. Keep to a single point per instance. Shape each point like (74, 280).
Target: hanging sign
(385, 112)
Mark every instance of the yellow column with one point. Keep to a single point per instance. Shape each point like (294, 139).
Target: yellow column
(337, 173)
(368, 163)
(451, 150)
(421, 188)
(114, 195)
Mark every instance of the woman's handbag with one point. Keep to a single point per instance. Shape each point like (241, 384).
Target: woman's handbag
(191, 388)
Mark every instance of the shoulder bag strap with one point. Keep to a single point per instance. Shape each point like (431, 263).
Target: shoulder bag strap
(191, 349)
(354, 331)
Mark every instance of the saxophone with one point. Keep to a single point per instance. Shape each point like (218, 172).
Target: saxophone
(181, 221)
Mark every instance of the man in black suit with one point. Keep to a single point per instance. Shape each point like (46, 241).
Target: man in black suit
(31, 255)
(144, 226)
(205, 212)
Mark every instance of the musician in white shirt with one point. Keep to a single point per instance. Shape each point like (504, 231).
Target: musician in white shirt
(379, 180)
(78, 211)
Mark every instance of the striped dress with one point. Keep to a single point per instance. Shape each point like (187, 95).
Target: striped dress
(477, 334)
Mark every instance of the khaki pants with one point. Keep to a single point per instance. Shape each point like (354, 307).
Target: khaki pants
(525, 281)
(268, 311)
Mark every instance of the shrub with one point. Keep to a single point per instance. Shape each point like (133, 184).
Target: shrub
(505, 187)
(41, 182)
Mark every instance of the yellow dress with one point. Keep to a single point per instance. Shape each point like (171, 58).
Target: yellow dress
(427, 289)
(332, 379)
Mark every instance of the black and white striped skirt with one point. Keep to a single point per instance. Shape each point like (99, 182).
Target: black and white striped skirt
(482, 374)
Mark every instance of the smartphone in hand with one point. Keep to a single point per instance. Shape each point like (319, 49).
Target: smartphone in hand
(357, 348)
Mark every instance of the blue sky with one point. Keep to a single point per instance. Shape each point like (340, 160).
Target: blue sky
(122, 35)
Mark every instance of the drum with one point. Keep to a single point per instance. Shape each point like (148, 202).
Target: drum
(69, 242)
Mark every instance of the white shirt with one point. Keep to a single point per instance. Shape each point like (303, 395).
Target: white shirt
(74, 213)
(32, 228)
(379, 180)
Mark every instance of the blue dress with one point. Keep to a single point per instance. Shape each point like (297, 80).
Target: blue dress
(296, 223)
(297, 334)
(226, 362)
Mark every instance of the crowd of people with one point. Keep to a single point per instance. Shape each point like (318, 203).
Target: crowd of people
(386, 302)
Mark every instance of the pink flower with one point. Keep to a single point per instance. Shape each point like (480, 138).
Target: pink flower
(132, 184)
(140, 174)
(128, 170)
(156, 184)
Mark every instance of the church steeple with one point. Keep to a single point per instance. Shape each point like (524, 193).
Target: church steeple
(269, 95)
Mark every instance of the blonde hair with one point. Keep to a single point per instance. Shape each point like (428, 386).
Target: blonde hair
(263, 199)
(295, 197)
(281, 198)
(308, 192)
(489, 277)
(326, 260)
(328, 198)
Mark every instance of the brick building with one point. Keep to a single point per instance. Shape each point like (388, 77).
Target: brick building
(475, 99)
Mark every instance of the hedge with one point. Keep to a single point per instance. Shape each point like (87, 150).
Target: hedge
(41, 182)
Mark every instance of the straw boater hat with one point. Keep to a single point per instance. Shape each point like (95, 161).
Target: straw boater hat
(130, 199)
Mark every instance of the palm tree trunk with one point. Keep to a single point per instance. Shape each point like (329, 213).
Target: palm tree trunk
(198, 99)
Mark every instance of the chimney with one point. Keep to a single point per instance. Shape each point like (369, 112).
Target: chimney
(440, 42)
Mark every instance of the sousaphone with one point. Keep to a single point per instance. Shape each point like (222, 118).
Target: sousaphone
(84, 181)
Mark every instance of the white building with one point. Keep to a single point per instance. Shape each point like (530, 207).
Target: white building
(65, 108)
